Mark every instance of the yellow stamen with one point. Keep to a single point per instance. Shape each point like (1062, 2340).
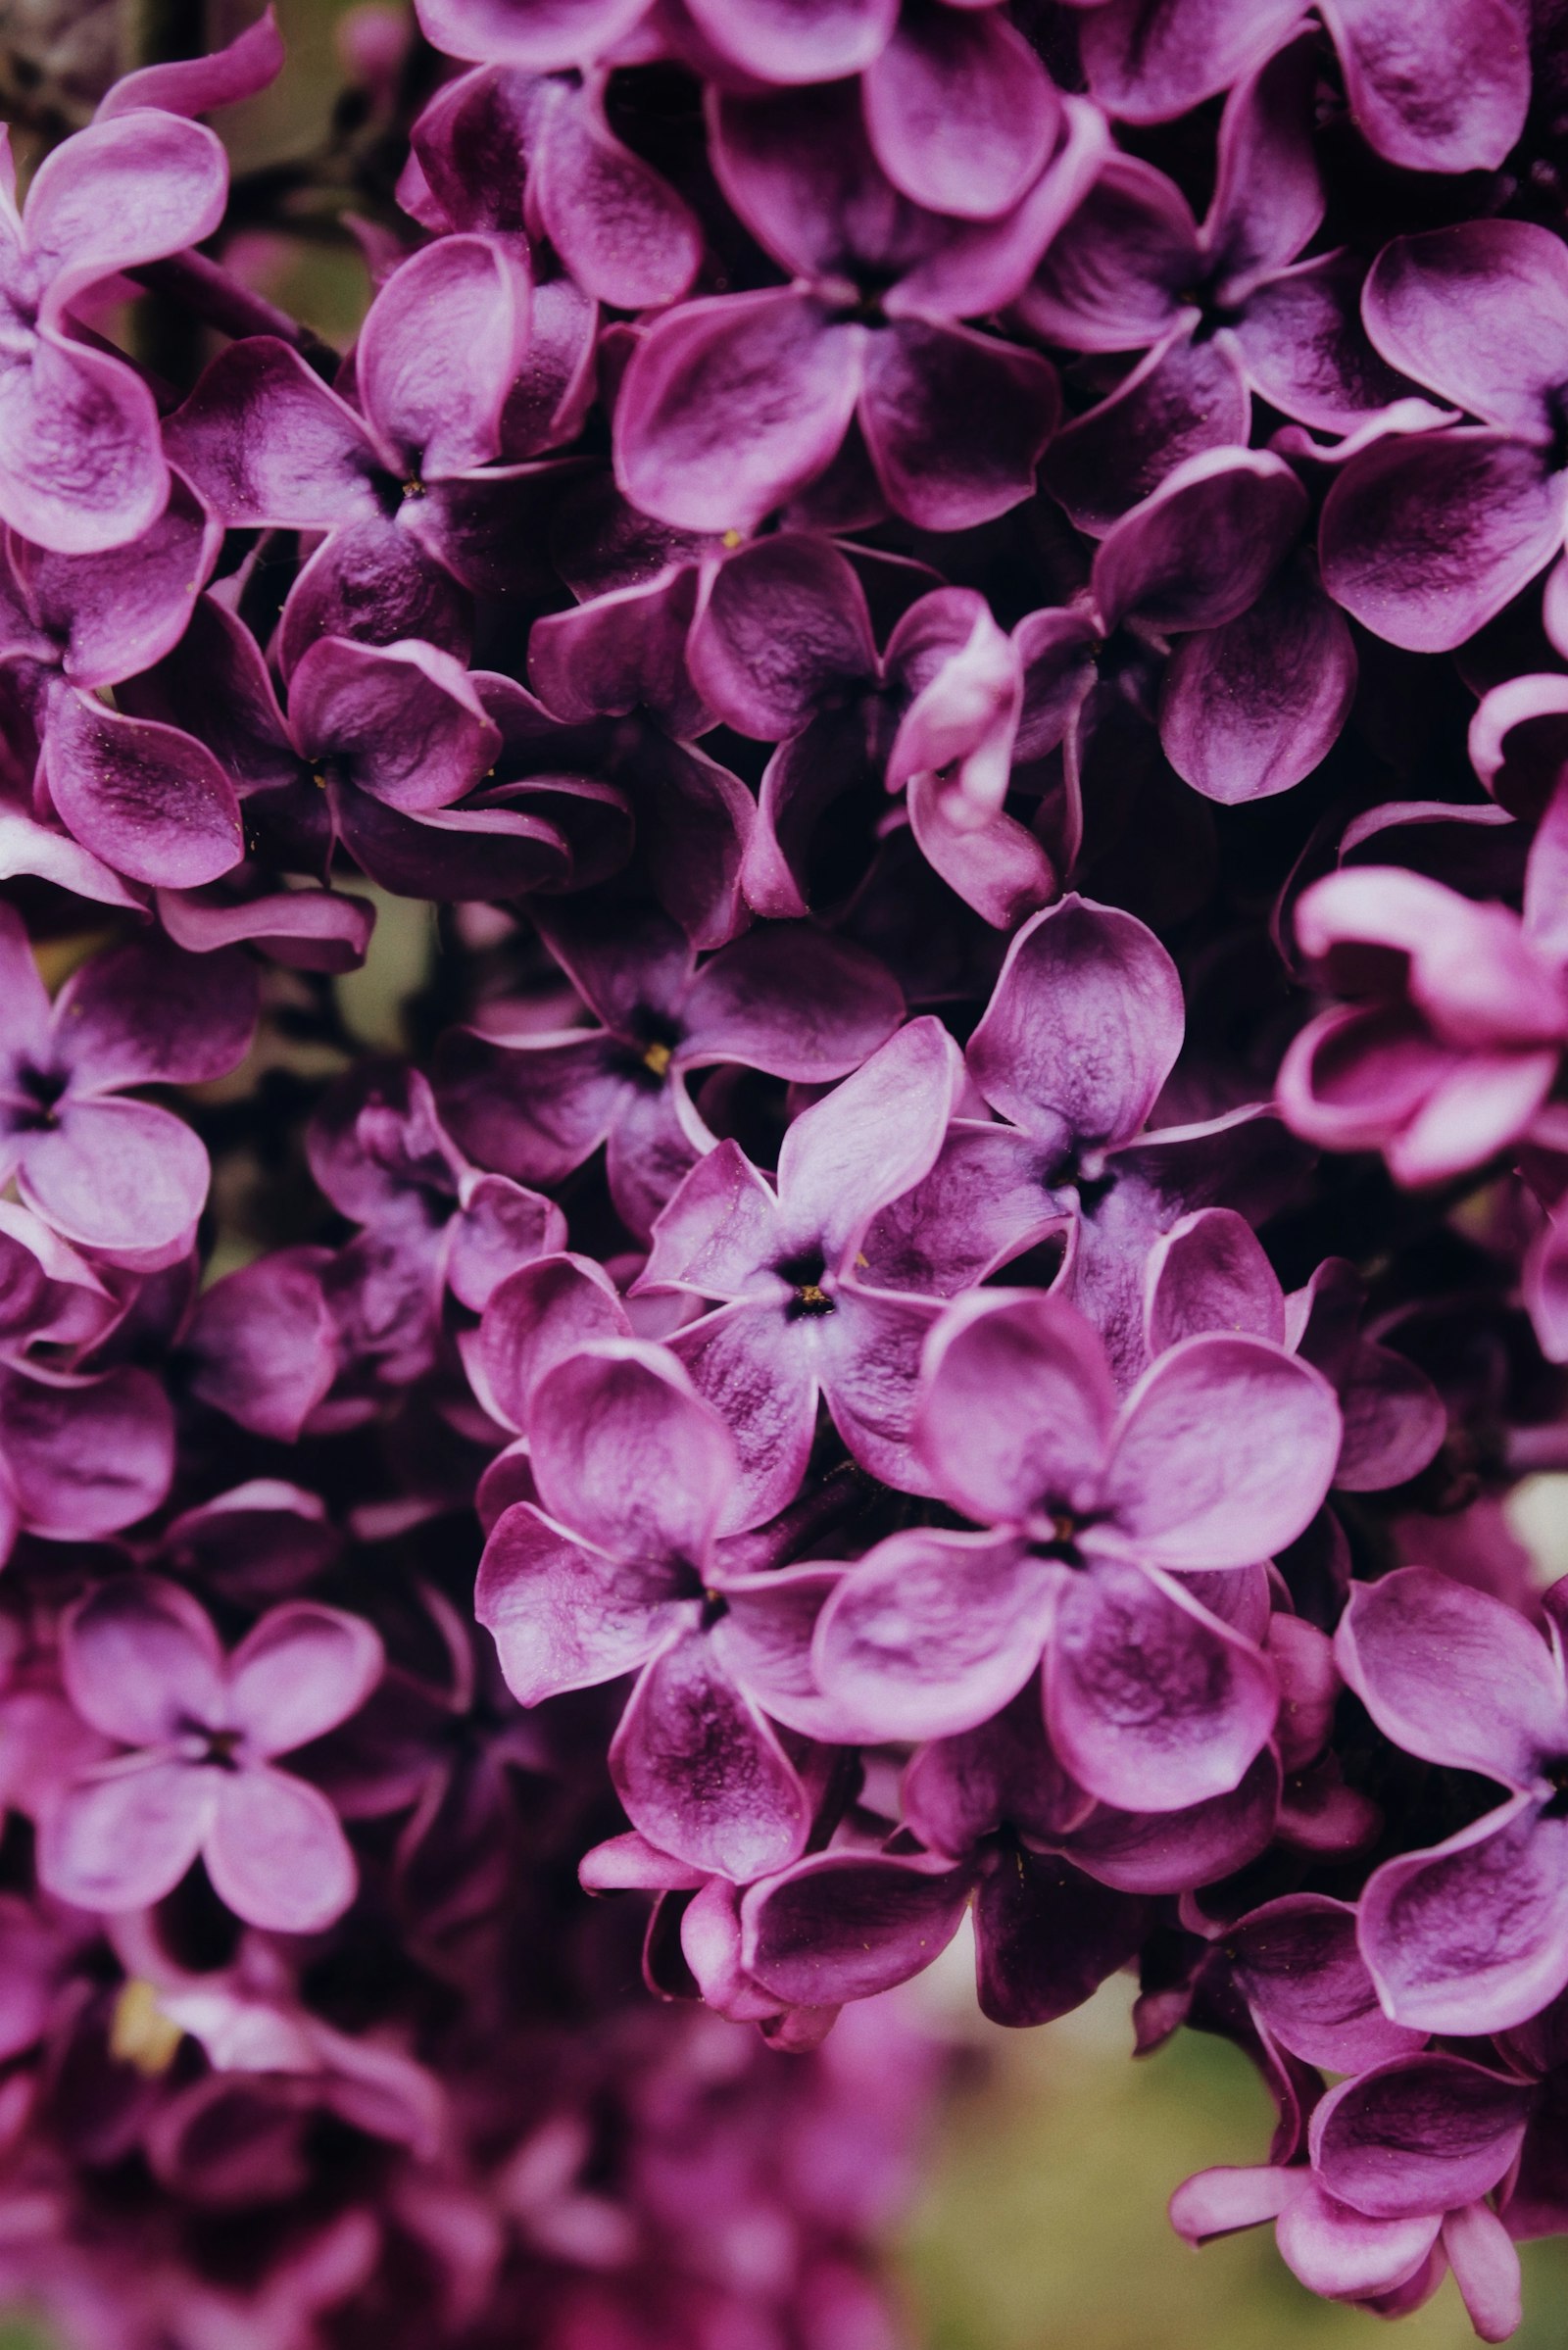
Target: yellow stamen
(319, 777)
(140, 2034)
(658, 1057)
(732, 538)
(812, 1295)
(414, 487)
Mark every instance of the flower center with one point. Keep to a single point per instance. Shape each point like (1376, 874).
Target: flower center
(656, 1057)
(41, 1089)
(139, 2032)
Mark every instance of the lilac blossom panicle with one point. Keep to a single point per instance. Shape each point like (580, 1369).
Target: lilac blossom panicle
(784, 1114)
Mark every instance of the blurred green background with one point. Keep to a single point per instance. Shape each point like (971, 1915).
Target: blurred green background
(1040, 2222)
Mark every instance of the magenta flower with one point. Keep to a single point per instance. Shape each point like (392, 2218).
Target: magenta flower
(782, 649)
(782, 998)
(143, 1665)
(1210, 1272)
(1402, 2160)
(402, 489)
(617, 1571)
(80, 465)
(1203, 615)
(145, 798)
(1445, 93)
(384, 749)
(1427, 535)
(795, 1321)
(1224, 309)
(1454, 1676)
(868, 331)
(1079, 1036)
(1455, 1044)
(1094, 1515)
(507, 151)
(121, 1177)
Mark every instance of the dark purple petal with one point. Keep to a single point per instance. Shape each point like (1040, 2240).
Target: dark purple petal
(759, 1372)
(276, 1853)
(120, 611)
(1183, 1503)
(439, 351)
(783, 623)
(1148, 59)
(626, 1453)
(152, 802)
(1116, 277)
(1455, 1675)
(1169, 1851)
(564, 1616)
(1303, 1977)
(83, 1461)
(1083, 1028)
(1305, 349)
(1250, 709)
(124, 1836)
(1152, 1703)
(542, 38)
(1445, 90)
(1199, 552)
(125, 190)
(1427, 535)
(919, 377)
(796, 41)
(701, 1772)
(622, 231)
(299, 1671)
(1185, 398)
(1047, 1937)
(264, 1343)
(265, 442)
(141, 1662)
(732, 405)
(1419, 2134)
(848, 1925)
(933, 1633)
(145, 1014)
(959, 111)
(1018, 1409)
(1473, 1935)
(1210, 1272)
(873, 1137)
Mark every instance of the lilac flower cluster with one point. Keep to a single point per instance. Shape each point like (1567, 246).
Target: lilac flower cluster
(955, 611)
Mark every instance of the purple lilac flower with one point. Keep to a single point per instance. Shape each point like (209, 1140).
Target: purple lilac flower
(1402, 2160)
(80, 465)
(1093, 1514)
(143, 1665)
(782, 998)
(1080, 1034)
(1459, 1678)
(399, 488)
(1223, 311)
(618, 1571)
(123, 1177)
(870, 330)
(793, 1319)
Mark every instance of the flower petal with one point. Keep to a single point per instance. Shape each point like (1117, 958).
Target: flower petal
(276, 1854)
(141, 1662)
(1152, 1702)
(701, 1772)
